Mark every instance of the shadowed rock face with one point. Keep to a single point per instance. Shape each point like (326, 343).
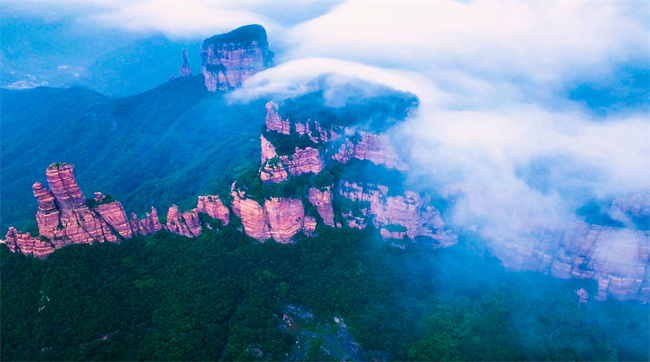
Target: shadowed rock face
(185, 70)
(231, 58)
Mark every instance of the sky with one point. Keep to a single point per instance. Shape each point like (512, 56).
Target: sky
(528, 109)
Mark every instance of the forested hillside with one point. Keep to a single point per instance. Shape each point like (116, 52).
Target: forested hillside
(223, 296)
(160, 147)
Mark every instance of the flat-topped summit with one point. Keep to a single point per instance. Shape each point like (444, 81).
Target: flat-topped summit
(230, 58)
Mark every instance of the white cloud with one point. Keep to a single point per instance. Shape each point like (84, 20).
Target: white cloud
(539, 41)
(178, 19)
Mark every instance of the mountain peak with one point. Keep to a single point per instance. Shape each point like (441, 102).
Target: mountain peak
(229, 59)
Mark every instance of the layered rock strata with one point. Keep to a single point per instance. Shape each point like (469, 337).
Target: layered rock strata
(615, 257)
(231, 58)
(395, 216)
(322, 200)
(375, 148)
(64, 217)
(279, 218)
(189, 224)
(277, 168)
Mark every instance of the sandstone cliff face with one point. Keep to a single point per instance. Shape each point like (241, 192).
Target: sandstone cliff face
(313, 129)
(616, 257)
(322, 200)
(372, 147)
(147, 226)
(27, 244)
(277, 168)
(188, 223)
(231, 58)
(213, 207)
(279, 218)
(273, 120)
(64, 218)
(395, 216)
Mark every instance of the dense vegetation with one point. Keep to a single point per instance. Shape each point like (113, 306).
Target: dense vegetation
(160, 147)
(374, 107)
(221, 296)
(244, 34)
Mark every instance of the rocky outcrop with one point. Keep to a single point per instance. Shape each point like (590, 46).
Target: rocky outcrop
(285, 218)
(186, 223)
(322, 201)
(64, 217)
(26, 244)
(231, 58)
(277, 168)
(189, 224)
(213, 207)
(615, 257)
(395, 216)
(147, 226)
(279, 218)
(184, 70)
(273, 120)
(369, 146)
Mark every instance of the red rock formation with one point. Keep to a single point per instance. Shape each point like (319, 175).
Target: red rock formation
(64, 218)
(277, 168)
(322, 200)
(147, 226)
(231, 58)
(273, 120)
(285, 218)
(186, 223)
(372, 147)
(26, 244)
(395, 216)
(213, 206)
(185, 70)
(617, 258)
(252, 216)
(279, 218)
(275, 123)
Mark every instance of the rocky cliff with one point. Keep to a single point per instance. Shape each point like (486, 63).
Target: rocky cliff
(352, 143)
(322, 201)
(615, 257)
(189, 224)
(231, 58)
(279, 218)
(375, 148)
(395, 216)
(277, 168)
(65, 217)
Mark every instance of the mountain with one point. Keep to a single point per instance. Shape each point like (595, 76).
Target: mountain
(160, 147)
(280, 229)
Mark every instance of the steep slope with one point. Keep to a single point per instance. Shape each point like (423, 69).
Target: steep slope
(160, 147)
(229, 59)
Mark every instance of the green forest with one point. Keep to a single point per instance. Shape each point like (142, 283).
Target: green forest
(222, 297)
